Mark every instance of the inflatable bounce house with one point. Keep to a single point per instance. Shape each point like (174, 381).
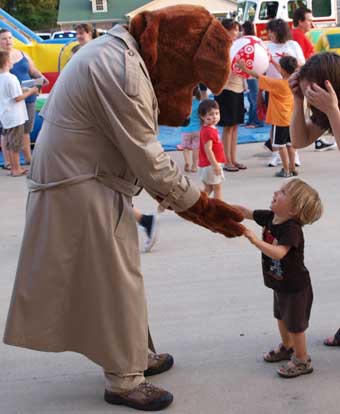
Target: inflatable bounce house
(49, 55)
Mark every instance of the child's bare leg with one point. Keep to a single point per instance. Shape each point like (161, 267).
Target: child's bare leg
(207, 188)
(284, 158)
(218, 191)
(299, 345)
(15, 163)
(5, 152)
(186, 155)
(194, 160)
(285, 335)
(291, 155)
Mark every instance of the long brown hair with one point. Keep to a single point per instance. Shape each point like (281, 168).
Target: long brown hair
(318, 69)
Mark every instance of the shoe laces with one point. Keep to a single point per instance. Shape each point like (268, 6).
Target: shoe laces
(147, 388)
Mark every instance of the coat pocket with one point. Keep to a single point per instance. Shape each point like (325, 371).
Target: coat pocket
(122, 223)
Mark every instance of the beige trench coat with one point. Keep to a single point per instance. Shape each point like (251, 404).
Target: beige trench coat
(78, 285)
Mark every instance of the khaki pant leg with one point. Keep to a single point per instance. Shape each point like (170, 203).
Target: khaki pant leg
(122, 382)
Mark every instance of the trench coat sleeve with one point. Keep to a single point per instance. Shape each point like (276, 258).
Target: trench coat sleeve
(127, 111)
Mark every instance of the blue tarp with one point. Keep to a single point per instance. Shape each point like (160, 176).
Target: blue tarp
(170, 137)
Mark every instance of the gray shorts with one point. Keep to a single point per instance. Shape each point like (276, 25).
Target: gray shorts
(29, 124)
(14, 137)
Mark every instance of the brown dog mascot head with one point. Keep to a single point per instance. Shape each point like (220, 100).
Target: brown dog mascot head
(181, 46)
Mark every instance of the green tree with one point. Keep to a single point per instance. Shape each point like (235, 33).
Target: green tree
(36, 14)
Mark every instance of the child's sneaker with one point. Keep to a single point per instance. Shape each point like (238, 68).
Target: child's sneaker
(297, 159)
(284, 174)
(275, 160)
(296, 367)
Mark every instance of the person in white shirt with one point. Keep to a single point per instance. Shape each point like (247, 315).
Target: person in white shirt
(13, 113)
(279, 45)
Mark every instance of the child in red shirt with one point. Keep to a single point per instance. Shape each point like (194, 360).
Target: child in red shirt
(211, 152)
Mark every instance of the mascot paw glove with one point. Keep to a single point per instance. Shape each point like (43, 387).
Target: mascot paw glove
(215, 215)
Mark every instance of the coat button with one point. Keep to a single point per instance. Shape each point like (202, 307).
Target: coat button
(130, 53)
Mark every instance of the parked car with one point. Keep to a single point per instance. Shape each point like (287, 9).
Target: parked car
(67, 34)
(44, 36)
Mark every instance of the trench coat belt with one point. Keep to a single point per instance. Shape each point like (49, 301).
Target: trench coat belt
(114, 183)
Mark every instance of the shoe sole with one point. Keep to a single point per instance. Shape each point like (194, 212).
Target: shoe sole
(325, 149)
(309, 371)
(115, 399)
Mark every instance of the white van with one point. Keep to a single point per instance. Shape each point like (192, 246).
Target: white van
(261, 11)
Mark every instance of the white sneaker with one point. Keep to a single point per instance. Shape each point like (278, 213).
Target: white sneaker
(152, 234)
(297, 159)
(275, 160)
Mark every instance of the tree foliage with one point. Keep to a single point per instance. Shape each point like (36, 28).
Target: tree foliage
(36, 14)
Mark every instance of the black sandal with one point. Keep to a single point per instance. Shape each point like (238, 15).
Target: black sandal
(6, 167)
(283, 354)
(333, 342)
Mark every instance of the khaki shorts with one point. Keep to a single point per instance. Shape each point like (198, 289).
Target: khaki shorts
(14, 137)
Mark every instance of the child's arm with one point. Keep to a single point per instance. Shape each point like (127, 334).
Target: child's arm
(26, 94)
(276, 252)
(211, 157)
(248, 214)
(241, 64)
(276, 64)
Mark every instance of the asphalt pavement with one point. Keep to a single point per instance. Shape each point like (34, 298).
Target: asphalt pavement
(207, 306)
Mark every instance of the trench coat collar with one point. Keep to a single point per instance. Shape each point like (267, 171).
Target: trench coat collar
(122, 33)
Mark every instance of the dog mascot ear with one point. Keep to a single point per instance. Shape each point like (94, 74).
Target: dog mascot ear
(144, 28)
(212, 60)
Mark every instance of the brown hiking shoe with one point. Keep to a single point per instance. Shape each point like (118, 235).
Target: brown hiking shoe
(145, 397)
(158, 363)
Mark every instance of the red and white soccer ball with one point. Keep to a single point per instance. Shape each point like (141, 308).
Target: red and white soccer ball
(253, 52)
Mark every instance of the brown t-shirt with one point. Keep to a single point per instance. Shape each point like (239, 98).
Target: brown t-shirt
(288, 274)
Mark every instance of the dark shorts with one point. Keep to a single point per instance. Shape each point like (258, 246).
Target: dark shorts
(294, 309)
(231, 108)
(29, 124)
(281, 137)
(14, 137)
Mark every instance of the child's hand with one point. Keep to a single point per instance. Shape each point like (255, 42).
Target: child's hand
(33, 91)
(240, 64)
(217, 169)
(250, 235)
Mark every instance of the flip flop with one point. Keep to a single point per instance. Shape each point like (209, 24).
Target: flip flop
(230, 168)
(333, 342)
(240, 166)
(19, 175)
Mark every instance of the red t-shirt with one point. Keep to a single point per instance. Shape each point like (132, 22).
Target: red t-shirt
(208, 133)
(303, 41)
